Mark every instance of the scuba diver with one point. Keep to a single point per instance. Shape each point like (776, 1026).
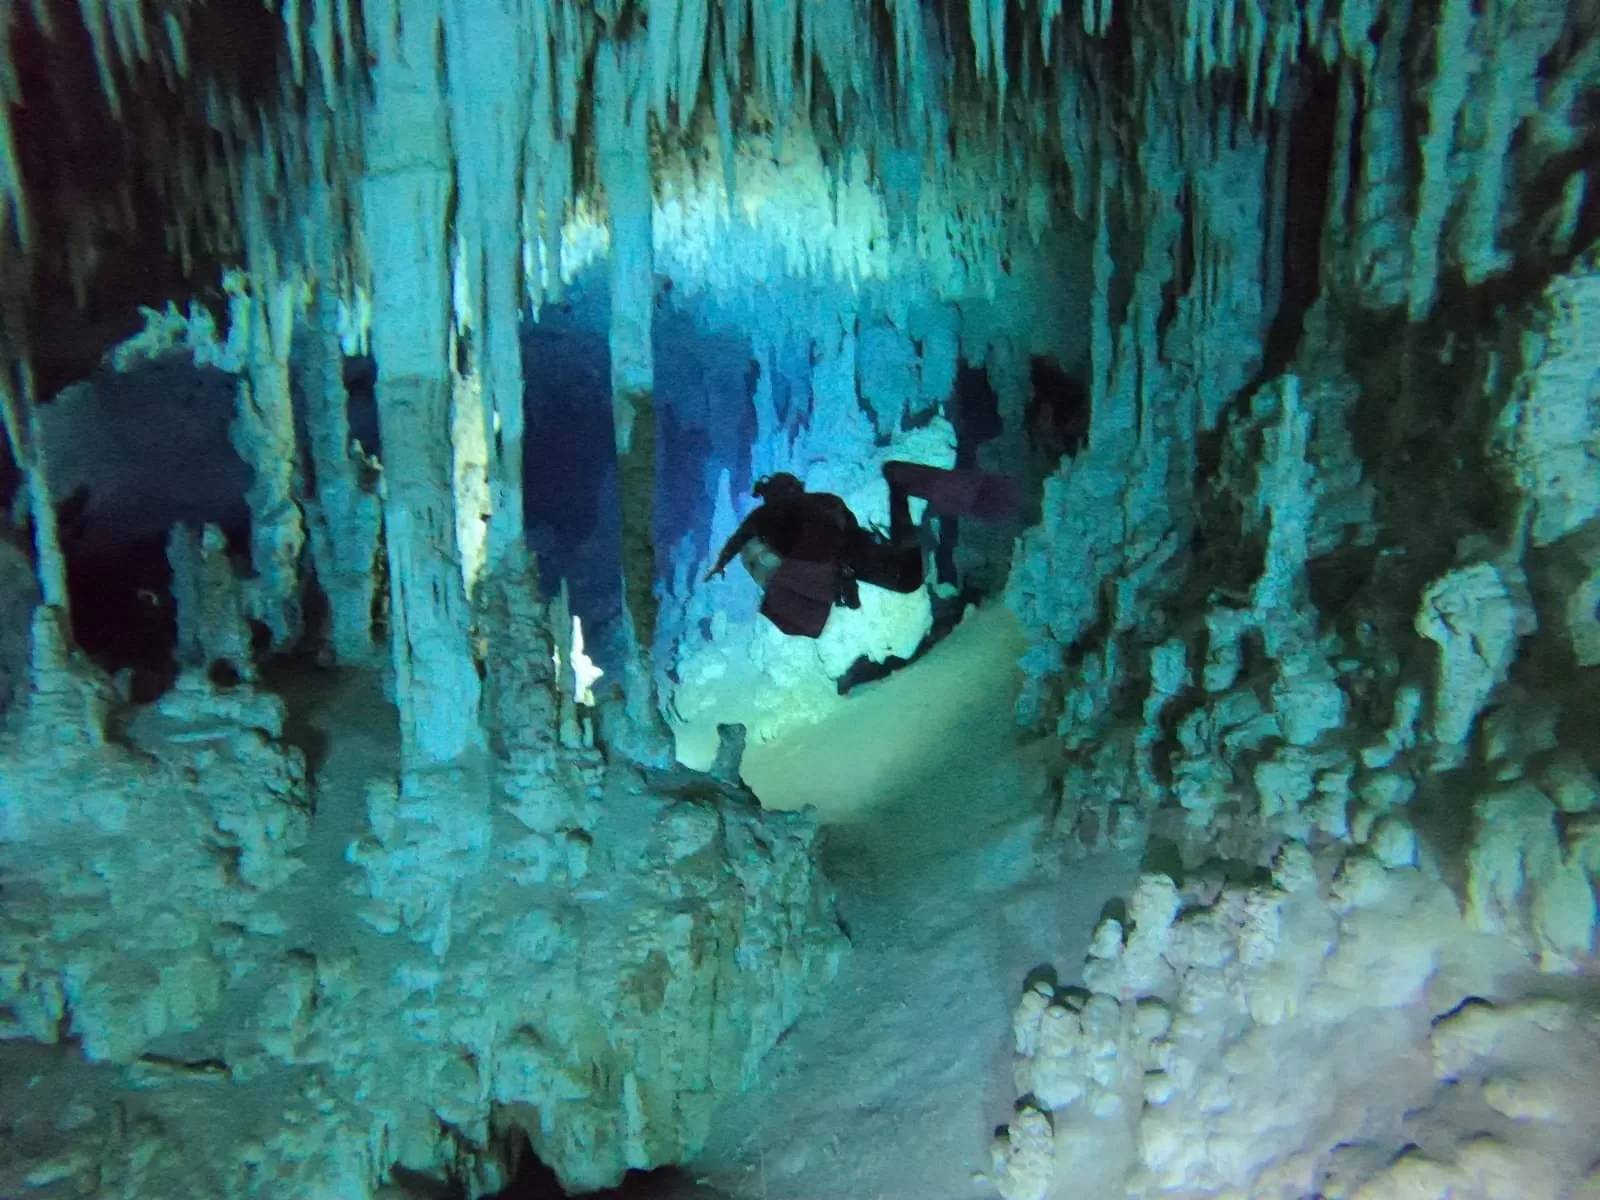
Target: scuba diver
(807, 552)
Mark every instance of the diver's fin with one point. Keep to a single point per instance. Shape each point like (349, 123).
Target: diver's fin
(800, 596)
(957, 491)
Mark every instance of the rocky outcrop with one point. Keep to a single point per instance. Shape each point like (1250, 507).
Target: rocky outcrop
(1297, 1036)
(590, 955)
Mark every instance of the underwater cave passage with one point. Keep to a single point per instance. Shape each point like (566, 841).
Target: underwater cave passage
(1058, 413)
(705, 426)
(132, 455)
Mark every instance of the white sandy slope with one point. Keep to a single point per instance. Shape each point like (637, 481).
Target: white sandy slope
(893, 1090)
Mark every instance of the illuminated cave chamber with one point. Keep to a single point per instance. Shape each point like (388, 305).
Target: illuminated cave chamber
(381, 378)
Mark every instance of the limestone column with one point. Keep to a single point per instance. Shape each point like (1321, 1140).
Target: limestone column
(263, 304)
(486, 51)
(623, 134)
(405, 207)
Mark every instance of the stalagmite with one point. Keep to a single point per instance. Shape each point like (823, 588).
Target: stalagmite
(1214, 594)
(342, 512)
(66, 704)
(27, 451)
(263, 434)
(405, 202)
(212, 633)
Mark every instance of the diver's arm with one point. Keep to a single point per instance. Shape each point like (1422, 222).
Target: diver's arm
(748, 528)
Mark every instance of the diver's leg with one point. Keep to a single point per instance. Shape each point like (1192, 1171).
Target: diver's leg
(905, 543)
(901, 530)
(894, 563)
(958, 492)
(895, 567)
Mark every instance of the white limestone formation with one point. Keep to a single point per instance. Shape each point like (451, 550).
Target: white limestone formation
(404, 207)
(1292, 1035)
(262, 319)
(1477, 615)
(212, 634)
(342, 511)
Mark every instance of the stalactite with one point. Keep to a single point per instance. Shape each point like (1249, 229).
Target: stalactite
(1511, 44)
(127, 25)
(1453, 64)
(489, 106)
(721, 107)
(15, 202)
(263, 435)
(1336, 231)
(978, 22)
(263, 307)
(1226, 28)
(808, 61)
(1255, 45)
(661, 38)
(1189, 40)
(1100, 346)
(322, 46)
(294, 34)
(1277, 204)
(693, 31)
(94, 20)
(1049, 13)
(1381, 199)
(177, 45)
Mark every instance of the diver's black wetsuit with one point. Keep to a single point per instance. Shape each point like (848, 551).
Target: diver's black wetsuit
(818, 527)
(817, 551)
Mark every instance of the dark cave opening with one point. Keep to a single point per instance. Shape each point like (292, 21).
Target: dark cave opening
(533, 1179)
(1309, 129)
(704, 381)
(134, 453)
(131, 455)
(158, 452)
(1058, 412)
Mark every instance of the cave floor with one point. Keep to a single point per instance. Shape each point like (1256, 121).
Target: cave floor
(893, 1089)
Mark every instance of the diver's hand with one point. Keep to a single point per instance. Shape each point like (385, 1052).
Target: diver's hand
(711, 574)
